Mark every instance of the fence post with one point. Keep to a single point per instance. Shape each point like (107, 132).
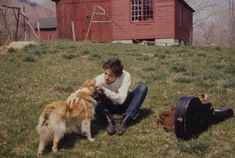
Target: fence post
(73, 32)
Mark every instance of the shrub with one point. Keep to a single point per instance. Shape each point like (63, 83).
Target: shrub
(178, 68)
(11, 50)
(95, 56)
(184, 79)
(149, 69)
(218, 48)
(230, 84)
(199, 148)
(85, 52)
(29, 58)
(35, 49)
(64, 88)
(230, 69)
(160, 55)
(219, 65)
(201, 54)
(165, 50)
(70, 56)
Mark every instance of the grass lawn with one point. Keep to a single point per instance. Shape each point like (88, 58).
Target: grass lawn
(38, 75)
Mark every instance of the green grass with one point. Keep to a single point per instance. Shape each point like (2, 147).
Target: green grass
(39, 74)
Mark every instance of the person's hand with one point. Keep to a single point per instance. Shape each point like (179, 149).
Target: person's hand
(100, 89)
(72, 99)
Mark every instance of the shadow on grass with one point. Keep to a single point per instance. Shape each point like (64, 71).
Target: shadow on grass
(97, 125)
(68, 141)
(142, 114)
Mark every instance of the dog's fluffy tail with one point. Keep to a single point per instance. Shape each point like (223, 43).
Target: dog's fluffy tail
(44, 132)
(43, 121)
(43, 127)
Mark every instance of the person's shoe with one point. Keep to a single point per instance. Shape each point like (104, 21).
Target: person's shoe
(110, 124)
(125, 121)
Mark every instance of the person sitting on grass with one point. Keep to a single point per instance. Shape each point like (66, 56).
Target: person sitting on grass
(116, 97)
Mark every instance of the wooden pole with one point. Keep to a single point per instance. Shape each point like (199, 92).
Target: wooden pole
(38, 28)
(73, 32)
(5, 21)
(24, 24)
(30, 26)
(18, 21)
(89, 27)
(26, 18)
(95, 12)
(17, 17)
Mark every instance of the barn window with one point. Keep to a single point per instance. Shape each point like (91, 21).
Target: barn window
(142, 10)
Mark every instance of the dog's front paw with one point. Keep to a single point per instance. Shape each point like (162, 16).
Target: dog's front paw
(54, 150)
(39, 154)
(91, 139)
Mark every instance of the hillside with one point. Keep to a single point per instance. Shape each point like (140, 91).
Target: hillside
(39, 74)
(33, 11)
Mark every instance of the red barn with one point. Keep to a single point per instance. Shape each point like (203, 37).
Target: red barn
(47, 27)
(159, 21)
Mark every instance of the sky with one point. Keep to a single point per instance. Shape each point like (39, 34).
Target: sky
(191, 1)
(37, 1)
(213, 1)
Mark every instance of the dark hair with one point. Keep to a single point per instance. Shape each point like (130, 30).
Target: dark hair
(115, 65)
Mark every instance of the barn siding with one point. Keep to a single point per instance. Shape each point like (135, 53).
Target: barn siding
(164, 25)
(49, 34)
(83, 16)
(161, 27)
(80, 12)
(102, 32)
(64, 18)
(183, 32)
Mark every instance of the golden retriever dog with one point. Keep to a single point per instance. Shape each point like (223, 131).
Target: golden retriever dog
(58, 116)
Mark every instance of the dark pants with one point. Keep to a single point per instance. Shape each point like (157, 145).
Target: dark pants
(129, 107)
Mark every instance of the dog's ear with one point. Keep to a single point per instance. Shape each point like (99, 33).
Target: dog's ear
(88, 83)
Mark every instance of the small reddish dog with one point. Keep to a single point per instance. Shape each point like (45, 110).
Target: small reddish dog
(57, 116)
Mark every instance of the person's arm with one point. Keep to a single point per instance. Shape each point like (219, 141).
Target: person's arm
(72, 99)
(121, 95)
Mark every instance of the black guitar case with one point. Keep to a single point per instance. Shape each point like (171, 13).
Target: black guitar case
(192, 117)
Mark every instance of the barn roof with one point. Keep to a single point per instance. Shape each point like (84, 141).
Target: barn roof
(186, 4)
(182, 1)
(47, 23)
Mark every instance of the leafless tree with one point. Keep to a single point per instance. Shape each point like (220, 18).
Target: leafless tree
(33, 11)
(231, 21)
(204, 10)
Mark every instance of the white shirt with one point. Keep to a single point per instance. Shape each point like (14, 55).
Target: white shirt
(118, 90)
